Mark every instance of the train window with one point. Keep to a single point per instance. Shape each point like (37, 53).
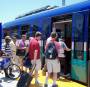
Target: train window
(34, 29)
(45, 28)
(14, 31)
(6, 33)
(79, 36)
(79, 46)
(45, 31)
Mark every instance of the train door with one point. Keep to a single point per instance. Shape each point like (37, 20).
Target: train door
(79, 46)
(63, 26)
(89, 39)
(88, 49)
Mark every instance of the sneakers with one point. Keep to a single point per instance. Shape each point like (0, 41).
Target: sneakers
(0, 81)
(45, 85)
(6, 76)
(55, 85)
(37, 83)
(12, 75)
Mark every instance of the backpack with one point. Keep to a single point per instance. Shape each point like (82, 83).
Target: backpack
(51, 51)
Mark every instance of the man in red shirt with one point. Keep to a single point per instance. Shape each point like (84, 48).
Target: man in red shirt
(34, 54)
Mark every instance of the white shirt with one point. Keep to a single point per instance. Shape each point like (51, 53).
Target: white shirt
(61, 49)
(48, 40)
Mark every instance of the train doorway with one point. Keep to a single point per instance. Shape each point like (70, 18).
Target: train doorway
(63, 26)
(89, 39)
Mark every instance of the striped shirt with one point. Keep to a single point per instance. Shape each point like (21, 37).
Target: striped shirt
(7, 49)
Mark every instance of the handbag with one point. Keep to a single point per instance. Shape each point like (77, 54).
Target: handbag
(20, 52)
(27, 62)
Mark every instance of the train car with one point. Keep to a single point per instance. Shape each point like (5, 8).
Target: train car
(0, 36)
(72, 23)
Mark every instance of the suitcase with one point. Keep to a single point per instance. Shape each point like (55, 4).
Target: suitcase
(25, 79)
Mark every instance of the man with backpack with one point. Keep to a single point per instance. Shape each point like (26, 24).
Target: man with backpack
(53, 65)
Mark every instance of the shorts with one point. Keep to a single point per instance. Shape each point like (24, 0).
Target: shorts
(53, 65)
(38, 64)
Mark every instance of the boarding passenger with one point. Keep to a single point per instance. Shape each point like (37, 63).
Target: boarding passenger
(53, 65)
(34, 54)
(61, 54)
(21, 50)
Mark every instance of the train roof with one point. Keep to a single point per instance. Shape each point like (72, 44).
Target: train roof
(49, 13)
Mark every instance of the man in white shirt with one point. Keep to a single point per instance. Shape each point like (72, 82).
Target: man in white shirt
(61, 54)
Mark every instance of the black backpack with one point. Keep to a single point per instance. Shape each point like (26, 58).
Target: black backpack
(51, 51)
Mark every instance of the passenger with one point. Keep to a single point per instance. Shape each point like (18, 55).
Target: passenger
(53, 65)
(30, 38)
(34, 54)
(13, 47)
(48, 40)
(21, 50)
(61, 55)
(14, 38)
(7, 50)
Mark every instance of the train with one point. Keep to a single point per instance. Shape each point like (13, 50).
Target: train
(0, 36)
(71, 22)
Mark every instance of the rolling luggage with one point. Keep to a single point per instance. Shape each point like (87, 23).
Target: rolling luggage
(25, 79)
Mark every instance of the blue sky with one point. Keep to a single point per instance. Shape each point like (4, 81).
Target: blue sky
(10, 9)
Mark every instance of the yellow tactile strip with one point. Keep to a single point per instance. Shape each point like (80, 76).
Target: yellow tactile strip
(61, 83)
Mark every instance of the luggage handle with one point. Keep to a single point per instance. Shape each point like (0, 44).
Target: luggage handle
(33, 68)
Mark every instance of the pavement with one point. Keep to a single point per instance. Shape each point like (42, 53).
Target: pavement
(6, 82)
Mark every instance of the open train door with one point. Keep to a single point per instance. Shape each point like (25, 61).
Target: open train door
(79, 46)
(88, 49)
(0, 35)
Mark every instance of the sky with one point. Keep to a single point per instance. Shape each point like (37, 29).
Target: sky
(10, 9)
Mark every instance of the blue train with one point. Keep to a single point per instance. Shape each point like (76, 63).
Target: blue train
(0, 36)
(72, 23)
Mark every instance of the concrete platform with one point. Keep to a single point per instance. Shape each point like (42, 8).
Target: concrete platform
(6, 82)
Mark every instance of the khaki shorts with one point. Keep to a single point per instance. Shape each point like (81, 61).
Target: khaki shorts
(38, 64)
(53, 65)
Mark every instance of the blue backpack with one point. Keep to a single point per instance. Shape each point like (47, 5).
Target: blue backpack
(51, 51)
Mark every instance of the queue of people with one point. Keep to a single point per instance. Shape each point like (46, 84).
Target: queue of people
(54, 50)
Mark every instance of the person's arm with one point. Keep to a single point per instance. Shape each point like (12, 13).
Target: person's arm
(35, 54)
(68, 49)
(35, 51)
(46, 46)
(65, 47)
(13, 47)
